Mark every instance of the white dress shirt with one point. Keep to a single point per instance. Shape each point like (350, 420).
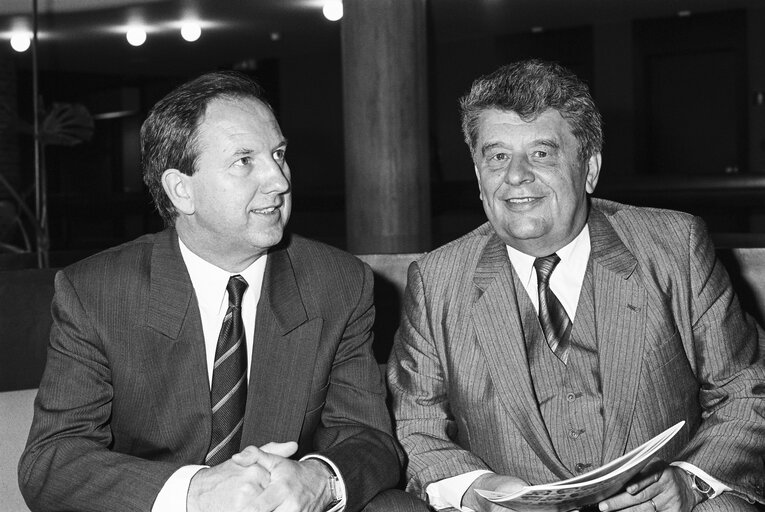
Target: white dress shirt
(209, 284)
(566, 283)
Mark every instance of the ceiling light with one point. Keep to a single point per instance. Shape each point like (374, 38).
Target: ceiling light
(21, 41)
(333, 10)
(136, 36)
(191, 31)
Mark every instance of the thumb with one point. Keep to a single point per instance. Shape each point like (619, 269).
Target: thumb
(247, 457)
(281, 449)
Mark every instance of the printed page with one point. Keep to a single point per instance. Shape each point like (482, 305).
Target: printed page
(588, 488)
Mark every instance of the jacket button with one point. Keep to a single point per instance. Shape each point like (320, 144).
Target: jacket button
(581, 467)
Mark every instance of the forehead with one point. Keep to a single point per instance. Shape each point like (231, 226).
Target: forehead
(507, 124)
(237, 119)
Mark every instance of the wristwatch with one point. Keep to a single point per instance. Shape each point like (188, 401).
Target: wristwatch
(699, 486)
(334, 489)
(334, 486)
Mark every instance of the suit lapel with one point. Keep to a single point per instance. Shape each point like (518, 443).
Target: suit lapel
(499, 330)
(176, 363)
(283, 356)
(620, 318)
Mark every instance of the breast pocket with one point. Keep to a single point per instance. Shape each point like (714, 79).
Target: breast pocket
(665, 352)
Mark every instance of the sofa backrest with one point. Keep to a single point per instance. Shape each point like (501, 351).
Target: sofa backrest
(25, 320)
(390, 279)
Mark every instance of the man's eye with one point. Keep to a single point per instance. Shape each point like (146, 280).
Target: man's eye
(540, 154)
(499, 157)
(279, 154)
(244, 161)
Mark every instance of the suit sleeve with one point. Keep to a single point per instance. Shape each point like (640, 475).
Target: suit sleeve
(67, 463)
(355, 431)
(419, 388)
(730, 442)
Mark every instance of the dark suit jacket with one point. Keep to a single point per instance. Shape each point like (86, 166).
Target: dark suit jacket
(673, 345)
(124, 400)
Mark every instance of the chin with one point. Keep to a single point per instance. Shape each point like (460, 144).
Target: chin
(268, 239)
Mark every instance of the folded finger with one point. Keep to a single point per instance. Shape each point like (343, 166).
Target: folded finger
(624, 500)
(644, 481)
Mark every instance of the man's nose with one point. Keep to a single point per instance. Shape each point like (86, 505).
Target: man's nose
(276, 179)
(518, 172)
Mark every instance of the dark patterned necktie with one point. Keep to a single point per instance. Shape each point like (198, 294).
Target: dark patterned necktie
(552, 317)
(228, 394)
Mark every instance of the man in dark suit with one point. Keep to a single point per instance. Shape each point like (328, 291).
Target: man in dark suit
(567, 330)
(219, 364)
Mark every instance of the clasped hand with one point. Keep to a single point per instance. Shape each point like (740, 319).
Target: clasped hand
(261, 480)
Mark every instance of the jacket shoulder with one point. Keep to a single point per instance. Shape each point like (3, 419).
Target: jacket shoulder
(135, 254)
(619, 212)
(316, 263)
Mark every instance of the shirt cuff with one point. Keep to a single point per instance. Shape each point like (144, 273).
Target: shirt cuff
(172, 496)
(340, 506)
(448, 493)
(716, 485)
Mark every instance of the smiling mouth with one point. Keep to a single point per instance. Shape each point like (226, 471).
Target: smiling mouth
(266, 211)
(521, 200)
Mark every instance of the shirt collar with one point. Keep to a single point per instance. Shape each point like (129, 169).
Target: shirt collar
(573, 257)
(209, 281)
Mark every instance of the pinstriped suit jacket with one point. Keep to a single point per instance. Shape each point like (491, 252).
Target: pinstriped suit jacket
(673, 345)
(124, 400)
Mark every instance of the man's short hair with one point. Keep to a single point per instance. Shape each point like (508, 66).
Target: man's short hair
(529, 88)
(169, 134)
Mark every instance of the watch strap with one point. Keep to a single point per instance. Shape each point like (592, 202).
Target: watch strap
(700, 487)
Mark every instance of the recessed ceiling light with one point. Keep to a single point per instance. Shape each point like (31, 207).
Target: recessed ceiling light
(136, 36)
(191, 31)
(21, 41)
(684, 14)
(333, 10)
(537, 30)
(275, 36)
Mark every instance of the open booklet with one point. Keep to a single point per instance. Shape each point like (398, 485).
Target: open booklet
(586, 489)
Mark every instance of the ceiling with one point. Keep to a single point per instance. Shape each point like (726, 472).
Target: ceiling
(89, 35)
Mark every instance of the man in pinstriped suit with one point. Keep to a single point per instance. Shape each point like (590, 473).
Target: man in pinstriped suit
(123, 415)
(652, 332)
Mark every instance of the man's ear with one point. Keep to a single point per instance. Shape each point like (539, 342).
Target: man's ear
(593, 172)
(179, 189)
(478, 178)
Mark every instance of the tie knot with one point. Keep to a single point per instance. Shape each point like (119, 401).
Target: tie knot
(545, 267)
(236, 287)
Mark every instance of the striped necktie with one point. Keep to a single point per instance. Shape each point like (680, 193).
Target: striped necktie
(228, 394)
(552, 317)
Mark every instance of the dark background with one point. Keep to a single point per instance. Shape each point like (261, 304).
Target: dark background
(679, 83)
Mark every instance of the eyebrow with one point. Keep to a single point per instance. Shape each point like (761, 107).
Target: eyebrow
(487, 147)
(550, 143)
(244, 151)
